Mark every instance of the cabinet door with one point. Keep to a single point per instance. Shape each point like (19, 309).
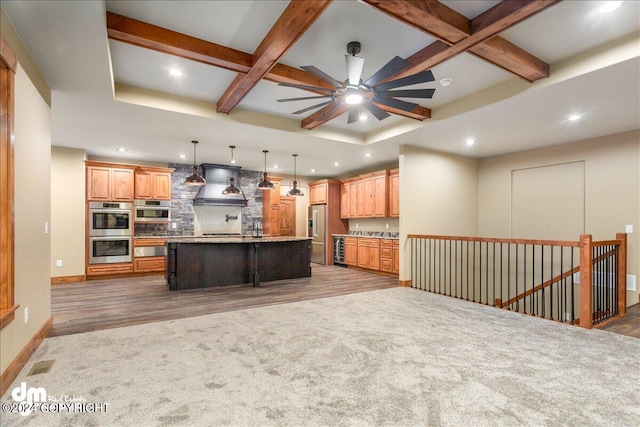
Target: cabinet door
(144, 184)
(275, 220)
(162, 186)
(322, 193)
(374, 257)
(351, 254)
(394, 195)
(363, 256)
(344, 201)
(360, 198)
(313, 195)
(369, 188)
(98, 180)
(396, 259)
(275, 194)
(122, 185)
(353, 201)
(380, 196)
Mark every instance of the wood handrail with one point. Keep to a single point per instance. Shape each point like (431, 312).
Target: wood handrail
(552, 281)
(565, 243)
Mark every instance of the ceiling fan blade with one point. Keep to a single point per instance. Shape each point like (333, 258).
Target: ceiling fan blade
(354, 68)
(395, 103)
(353, 115)
(422, 77)
(378, 112)
(312, 88)
(313, 107)
(389, 69)
(324, 76)
(303, 98)
(412, 93)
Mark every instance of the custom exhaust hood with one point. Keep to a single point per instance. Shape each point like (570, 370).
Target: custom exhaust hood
(217, 177)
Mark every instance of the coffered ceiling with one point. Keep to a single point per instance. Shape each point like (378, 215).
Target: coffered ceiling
(519, 69)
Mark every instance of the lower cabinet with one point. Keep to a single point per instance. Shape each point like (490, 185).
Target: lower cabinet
(105, 269)
(148, 255)
(148, 264)
(351, 251)
(396, 256)
(369, 253)
(386, 255)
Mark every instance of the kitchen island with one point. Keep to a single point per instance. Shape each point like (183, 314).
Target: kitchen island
(202, 262)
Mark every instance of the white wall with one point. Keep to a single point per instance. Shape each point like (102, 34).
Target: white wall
(67, 211)
(32, 212)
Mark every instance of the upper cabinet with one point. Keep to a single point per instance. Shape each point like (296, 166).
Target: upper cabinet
(366, 196)
(109, 182)
(318, 193)
(394, 193)
(153, 183)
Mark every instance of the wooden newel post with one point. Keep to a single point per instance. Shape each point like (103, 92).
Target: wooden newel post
(586, 280)
(622, 274)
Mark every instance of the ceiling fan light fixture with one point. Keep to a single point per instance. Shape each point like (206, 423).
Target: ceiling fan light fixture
(195, 178)
(265, 184)
(352, 97)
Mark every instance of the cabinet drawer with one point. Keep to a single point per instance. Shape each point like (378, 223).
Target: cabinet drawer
(149, 264)
(386, 252)
(396, 243)
(148, 242)
(386, 265)
(362, 241)
(99, 269)
(350, 240)
(386, 242)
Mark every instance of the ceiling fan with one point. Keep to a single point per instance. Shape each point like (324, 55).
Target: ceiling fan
(355, 92)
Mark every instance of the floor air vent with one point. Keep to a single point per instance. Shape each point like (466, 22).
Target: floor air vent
(41, 367)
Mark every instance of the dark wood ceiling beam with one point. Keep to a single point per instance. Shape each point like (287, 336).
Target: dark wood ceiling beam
(159, 39)
(484, 29)
(323, 115)
(418, 113)
(294, 21)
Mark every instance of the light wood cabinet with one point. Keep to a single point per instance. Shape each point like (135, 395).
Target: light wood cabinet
(386, 255)
(109, 184)
(369, 253)
(351, 251)
(109, 269)
(366, 195)
(396, 257)
(271, 208)
(153, 183)
(318, 193)
(148, 264)
(394, 193)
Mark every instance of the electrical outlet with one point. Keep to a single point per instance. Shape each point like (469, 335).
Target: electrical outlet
(58, 263)
(174, 225)
(26, 314)
(356, 225)
(386, 226)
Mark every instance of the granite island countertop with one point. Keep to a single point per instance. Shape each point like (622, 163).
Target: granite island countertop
(238, 239)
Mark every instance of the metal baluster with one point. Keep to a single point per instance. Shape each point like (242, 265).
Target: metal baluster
(551, 287)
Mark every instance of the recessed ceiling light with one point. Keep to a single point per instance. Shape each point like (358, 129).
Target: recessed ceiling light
(446, 81)
(182, 156)
(336, 163)
(367, 154)
(175, 72)
(313, 170)
(575, 117)
(609, 6)
(122, 149)
(470, 141)
(363, 117)
(275, 166)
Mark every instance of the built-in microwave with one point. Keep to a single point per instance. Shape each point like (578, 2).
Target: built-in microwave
(152, 210)
(109, 249)
(110, 219)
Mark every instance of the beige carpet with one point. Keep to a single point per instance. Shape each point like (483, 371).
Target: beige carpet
(391, 357)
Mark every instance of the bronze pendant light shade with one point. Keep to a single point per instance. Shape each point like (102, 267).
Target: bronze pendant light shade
(195, 178)
(295, 191)
(231, 188)
(265, 184)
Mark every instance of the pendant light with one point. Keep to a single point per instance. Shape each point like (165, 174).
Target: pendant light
(232, 161)
(265, 184)
(295, 191)
(194, 178)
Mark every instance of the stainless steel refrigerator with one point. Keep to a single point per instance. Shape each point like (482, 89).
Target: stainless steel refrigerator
(317, 227)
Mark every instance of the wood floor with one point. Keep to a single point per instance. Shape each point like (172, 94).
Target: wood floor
(113, 303)
(628, 325)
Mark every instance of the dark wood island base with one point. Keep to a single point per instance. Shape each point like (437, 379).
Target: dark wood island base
(206, 262)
